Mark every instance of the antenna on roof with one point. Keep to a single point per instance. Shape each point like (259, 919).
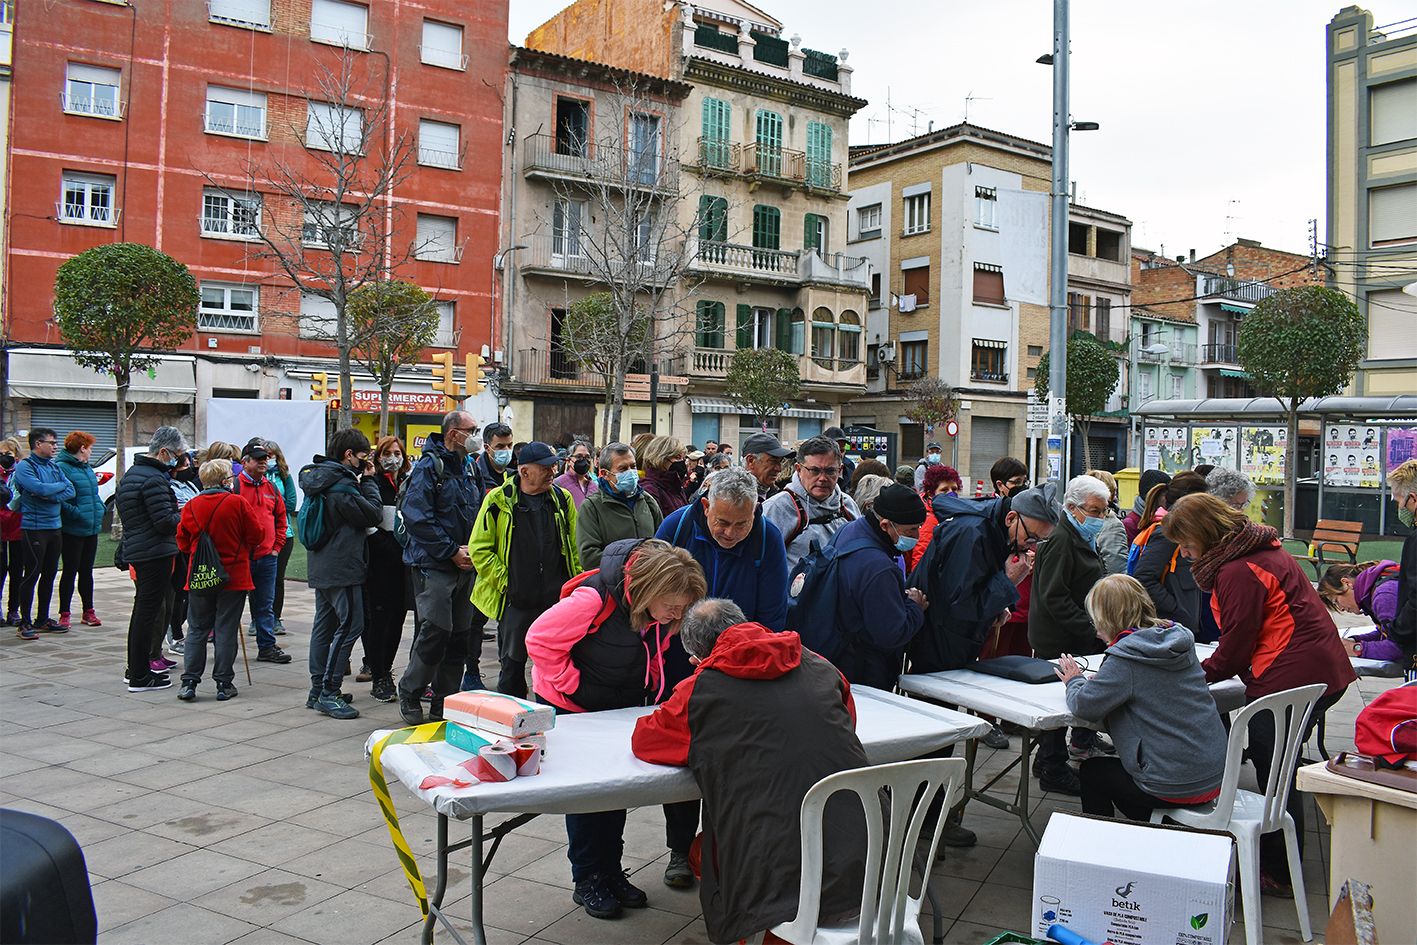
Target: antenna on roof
(971, 97)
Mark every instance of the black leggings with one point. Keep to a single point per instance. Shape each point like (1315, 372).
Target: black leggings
(1107, 788)
(78, 553)
(12, 565)
(41, 551)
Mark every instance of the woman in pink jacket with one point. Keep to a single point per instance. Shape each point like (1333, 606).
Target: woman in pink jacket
(602, 647)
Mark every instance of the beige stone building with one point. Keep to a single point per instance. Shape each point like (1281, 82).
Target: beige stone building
(760, 143)
(1372, 189)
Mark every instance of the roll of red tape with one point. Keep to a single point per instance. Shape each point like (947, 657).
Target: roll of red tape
(528, 755)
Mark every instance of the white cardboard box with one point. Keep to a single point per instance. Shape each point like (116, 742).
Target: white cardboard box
(1133, 884)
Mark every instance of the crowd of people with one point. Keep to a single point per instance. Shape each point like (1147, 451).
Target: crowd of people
(656, 572)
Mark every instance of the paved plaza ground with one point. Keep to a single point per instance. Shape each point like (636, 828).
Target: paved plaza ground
(252, 820)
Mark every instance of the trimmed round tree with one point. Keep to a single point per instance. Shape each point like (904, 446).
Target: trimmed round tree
(762, 381)
(1092, 377)
(1296, 344)
(390, 323)
(118, 306)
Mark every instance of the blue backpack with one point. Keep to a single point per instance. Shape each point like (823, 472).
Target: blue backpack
(812, 596)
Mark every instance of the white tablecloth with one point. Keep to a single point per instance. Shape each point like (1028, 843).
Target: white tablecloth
(589, 766)
(1385, 669)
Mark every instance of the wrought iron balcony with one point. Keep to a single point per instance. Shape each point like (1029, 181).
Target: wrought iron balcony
(1238, 290)
(1218, 354)
(600, 163)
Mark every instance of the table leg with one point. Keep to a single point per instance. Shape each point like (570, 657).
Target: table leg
(1019, 806)
(479, 934)
(435, 902)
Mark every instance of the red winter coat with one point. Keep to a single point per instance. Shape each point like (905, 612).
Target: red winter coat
(1275, 632)
(11, 522)
(265, 499)
(235, 528)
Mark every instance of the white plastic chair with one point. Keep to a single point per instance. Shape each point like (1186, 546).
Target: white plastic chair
(1247, 816)
(889, 914)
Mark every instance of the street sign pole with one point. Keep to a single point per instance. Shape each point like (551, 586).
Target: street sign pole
(1058, 436)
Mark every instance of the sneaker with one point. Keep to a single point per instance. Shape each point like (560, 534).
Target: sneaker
(161, 665)
(91, 619)
(279, 628)
(1061, 780)
(383, 689)
(411, 710)
(996, 738)
(435, 709)
(64, 619)
(50, 625)
(364, 674)
(14, 619)
(335, 707)
(225, 691)
(677, 874)
(188, 692)
(957, 836)
(629, 895)
(273, 654)
(176, 647)
(594, 894)
(26, 632)
(149, 683)
(312, 700)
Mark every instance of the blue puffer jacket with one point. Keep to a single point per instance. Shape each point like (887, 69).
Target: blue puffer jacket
(43, 487)
(753, 573)
(83, 514)
(438, 512)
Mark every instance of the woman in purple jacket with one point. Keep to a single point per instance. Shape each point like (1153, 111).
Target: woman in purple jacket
(1369, 588)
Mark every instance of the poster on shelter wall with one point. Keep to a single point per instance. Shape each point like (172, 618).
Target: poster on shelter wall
(1263, 452)
(1351, 455)
(1215, 446)
(1401, 446)
(1166, 449)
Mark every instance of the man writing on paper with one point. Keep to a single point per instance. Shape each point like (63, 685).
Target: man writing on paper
(751, 680)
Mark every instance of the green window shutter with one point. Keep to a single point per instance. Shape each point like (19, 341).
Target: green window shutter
(769, 142)
(819, 154)
(767, 227)
(710, 324)
(713, 219)
(717, 115)
(811, 233)
(784, 330)
(744, 340)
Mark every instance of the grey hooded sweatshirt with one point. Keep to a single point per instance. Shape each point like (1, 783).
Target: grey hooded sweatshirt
(1151, 693)
(803, 519)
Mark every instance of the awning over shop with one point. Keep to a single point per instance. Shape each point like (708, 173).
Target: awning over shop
(53, 375)
(717, 405)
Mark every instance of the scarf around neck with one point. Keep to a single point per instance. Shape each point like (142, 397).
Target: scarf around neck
(1245, 539)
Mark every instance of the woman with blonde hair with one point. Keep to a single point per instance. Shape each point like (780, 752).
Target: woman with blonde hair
(386, 590)
(1150, 694)
(666, 472)
(602, 646)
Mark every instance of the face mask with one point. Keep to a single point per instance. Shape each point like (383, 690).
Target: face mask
(681, 468)
(1089, 528)
(1407, 516)
(185, 475)
(1015, 490)
(502, 457)
(391, 462)
(581, 466)
(932, 458)
(171, 462)
(6, 460)
(906, 543)
(627, 482)
(474, 444)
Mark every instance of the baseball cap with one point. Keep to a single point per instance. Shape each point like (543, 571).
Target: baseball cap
(766, 443)
(696, 454)
(536, 453)
(931, 446)
(256, 449)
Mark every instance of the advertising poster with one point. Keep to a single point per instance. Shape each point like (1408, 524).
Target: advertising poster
(1166, 449)
(1351, 455)
(1151, 448)
(1213, 445)
(417, 434)
(1401, 446)
(1263, 454)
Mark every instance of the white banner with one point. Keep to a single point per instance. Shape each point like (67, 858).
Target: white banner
(297, 425)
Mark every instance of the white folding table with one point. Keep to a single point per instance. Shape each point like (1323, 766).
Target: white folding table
(589, 767)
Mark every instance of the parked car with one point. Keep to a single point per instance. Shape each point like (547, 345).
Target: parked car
(105, 467)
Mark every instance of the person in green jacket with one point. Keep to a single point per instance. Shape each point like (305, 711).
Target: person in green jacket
(618, 509)
(523, 547)
(81, 520)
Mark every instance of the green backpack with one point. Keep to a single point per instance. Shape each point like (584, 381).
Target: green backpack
(312, 525)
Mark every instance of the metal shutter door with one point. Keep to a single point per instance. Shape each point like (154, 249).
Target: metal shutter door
(988, 442)
(101, 421)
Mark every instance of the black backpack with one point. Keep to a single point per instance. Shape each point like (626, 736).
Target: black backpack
(205, 573)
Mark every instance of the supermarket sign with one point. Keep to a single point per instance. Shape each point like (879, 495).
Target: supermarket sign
(399, 401)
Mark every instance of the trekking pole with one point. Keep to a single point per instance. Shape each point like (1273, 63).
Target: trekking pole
(241, 635)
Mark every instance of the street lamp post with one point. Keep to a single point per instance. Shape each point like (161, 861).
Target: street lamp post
(498, 261)
(1156, 349)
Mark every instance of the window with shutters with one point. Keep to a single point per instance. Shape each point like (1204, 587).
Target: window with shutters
(572, 127)
(331, 226)
(339, 23)
(765, 328)
(1145, 391)
(716, 144)
(989, 284)
(566, 217)
(234, 215)
(644, 148)
(646, 244)
(823, 337)
(447, 336)
(92, 90)
(819, 154)
(88, 199)
(235, 112)
(814, 233)
(767, 227)
(848, 333)
(769, 143)
(1392, 215)
(437, 239)
(1392, 112)
(252, 14)
(989, 360)
(1102, 318)
(713, 228)
(986, 203)
(868, 221)
(709, 324)
(875, 300)
(439, 145)
(913, 360)
(1178, 386)
(442, 45)
(334, 128)
(917, 283)
(227, 307)
(917, 214)
(1079, 312)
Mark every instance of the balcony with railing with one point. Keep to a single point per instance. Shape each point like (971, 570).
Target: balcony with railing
(1236, 290)
(583, 256)
(1218, 354)
(758, 48)
(786, 165)
(600, 163)
(779, 266)
(1175, 353)
(713, 363)
(552, 367)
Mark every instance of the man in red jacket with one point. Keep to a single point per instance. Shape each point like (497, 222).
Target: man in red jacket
(266, 501)
(750, 679)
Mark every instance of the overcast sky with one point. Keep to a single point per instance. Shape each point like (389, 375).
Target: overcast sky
(1212, 111)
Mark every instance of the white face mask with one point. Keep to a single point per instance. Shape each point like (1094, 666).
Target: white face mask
(391, 461)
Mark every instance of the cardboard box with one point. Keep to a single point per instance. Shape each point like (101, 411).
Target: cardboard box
(1133, 884)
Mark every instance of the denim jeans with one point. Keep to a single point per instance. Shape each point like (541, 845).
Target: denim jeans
(219, 612)
(263, 595)
(339, 621)
(597, 842)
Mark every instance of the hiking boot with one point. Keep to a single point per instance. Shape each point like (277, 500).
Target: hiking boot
(273, 654)
(958, 836)
(91, 619)
(678, 875)
(629, 895)
(383, 689)
(26, 632)
(594, 894)
(64, 619)
(312, 701)
(1060, 780)
(224, 691)
(149, 683)
(364, 674)
(412, 712)
(335, 707)
(996, 738)
(188, 692)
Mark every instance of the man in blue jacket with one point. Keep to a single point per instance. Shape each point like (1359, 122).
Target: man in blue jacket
(43, 488)
(439, 507)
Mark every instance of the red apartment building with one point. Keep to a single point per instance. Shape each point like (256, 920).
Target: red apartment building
(140, 123)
